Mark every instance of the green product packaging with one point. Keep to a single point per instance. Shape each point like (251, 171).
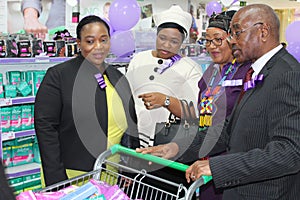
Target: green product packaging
(10, 91)
(31, 180)
(13, 77)
(16, 184)
(9, 143)
(38, 77)
(36, 152)
(26, 117)
(22, 154)
(24, 140)
(32, 114)
(24, 89)
(7, 156)
(5, 119)
(17, 192)
(16, 121)
(27, 76)
(1, 86)
(36, 187)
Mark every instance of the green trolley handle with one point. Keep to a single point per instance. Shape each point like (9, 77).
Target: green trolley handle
(117, 148)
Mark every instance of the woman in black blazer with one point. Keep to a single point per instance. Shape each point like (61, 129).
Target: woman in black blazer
(83, 106)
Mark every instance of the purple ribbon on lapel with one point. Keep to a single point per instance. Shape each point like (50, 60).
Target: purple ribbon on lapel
(168, 63)
(253, 82)
(100, 80)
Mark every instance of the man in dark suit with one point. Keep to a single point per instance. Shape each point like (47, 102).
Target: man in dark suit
(262, 136)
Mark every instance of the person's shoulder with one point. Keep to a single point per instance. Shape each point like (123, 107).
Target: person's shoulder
(190, 63)
(143, 54)
(288, 60)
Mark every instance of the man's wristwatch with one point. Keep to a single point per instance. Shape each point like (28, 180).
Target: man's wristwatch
(167, 101)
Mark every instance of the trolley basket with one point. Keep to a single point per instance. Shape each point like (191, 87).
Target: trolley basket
(134, 186)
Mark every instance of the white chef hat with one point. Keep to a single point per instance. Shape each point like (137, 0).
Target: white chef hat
(176, 15)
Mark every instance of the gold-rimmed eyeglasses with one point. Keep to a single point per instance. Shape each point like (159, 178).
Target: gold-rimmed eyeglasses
(236, 35)
(216, 41)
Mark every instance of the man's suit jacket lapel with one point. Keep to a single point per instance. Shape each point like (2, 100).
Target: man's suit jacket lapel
(238, 107)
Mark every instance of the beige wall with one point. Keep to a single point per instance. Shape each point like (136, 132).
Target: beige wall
(286, 16)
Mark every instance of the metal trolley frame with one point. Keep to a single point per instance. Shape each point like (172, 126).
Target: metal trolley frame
(134, 186)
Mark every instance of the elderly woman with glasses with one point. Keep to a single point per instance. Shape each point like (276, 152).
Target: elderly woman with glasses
(219, 89)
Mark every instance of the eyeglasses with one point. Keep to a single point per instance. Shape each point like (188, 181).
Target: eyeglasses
(216, 41)
(236, 35)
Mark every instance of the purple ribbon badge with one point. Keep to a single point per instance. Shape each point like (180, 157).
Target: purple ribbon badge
(253, 82)
(168, 63)
(100, 80)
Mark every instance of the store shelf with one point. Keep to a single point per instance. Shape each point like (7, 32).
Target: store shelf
(12, 135)
(118, 60)
(16, 101)
(22, 170)
(33, 60)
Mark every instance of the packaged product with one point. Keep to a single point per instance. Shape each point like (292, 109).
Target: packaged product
(16, 121)
(5, 119)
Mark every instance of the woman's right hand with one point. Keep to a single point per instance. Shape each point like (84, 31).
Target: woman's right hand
(166, 151)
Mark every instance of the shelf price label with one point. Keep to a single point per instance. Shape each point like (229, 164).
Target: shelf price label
(8, 136)
(6, 102)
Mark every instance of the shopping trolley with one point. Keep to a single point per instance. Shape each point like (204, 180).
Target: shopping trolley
(134, 186)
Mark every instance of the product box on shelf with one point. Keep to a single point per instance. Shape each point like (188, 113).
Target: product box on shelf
(7, 156)
(1, 86)
(10, 91)
(26, 117)
(49, 48)
(24, 89)
(71, 49)
(37, 47)
(32, 116)
(38, 77)
(22, 154)
(11, 48)
(16, 184)
(16, 120)
(31, 180)
(2, 49)
(5, 119)
(24, 48)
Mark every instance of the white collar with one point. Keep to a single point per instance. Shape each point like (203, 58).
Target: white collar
(261, 62)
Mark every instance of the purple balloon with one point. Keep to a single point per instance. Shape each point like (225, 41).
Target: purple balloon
(122, 43)
(294, 49)
(111, 29)
(291, 32)
(124, 14)
(212, 7)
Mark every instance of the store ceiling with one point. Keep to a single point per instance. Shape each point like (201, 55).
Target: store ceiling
(276, 4)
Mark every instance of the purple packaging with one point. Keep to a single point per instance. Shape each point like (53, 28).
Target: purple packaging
(11, 48)
(37, 47)
(49, 48)
(2, 49)
(24, 48)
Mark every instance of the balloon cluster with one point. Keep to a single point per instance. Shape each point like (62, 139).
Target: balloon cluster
(293, 39)
(123, 15)
(216, 7)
